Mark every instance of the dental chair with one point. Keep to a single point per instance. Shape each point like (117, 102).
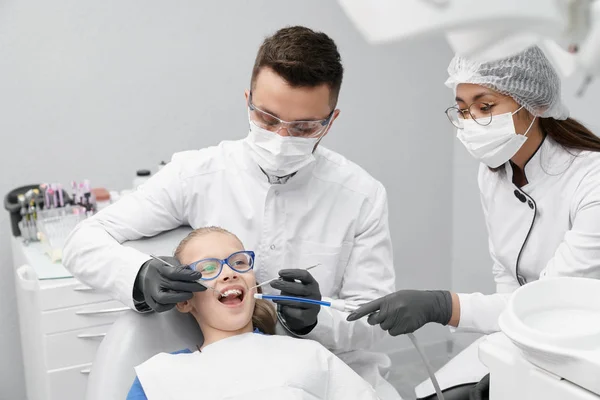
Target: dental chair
(133, 339)
(136, 337)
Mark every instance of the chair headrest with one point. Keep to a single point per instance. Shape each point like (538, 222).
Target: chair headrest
(133, 339)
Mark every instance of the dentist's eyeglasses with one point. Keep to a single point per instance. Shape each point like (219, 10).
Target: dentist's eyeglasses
(304, 129)
(479, 112)
(211, 268)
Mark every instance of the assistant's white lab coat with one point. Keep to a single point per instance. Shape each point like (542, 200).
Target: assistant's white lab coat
(331, 212)
(548, 228)
(253, 367)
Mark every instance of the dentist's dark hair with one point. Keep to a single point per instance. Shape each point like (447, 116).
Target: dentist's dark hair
(264, 317)
(303, 57)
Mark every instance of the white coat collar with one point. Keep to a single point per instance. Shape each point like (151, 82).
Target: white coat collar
(549, 159)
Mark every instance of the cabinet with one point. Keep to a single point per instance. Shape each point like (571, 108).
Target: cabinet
(62, 321)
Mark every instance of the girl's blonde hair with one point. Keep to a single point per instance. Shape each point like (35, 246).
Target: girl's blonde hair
(263, 317)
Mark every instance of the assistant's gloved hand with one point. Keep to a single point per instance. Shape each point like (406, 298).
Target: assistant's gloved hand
(301, 318)
(481, 391)
(163, 286)
(407, 310)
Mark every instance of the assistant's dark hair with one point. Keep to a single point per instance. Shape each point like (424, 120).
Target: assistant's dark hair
(570, 133)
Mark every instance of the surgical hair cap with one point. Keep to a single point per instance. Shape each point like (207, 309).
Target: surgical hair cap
(527, 77)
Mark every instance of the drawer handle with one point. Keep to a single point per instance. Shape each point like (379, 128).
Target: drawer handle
(83, 288)
(27, 278)
(106, 311)
(85, 371)
(91, 335)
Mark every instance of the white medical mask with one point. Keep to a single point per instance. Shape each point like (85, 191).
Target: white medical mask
(279, 155)
(493, 144)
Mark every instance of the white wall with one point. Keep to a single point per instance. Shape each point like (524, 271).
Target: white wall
(471, 262)
(99, 89)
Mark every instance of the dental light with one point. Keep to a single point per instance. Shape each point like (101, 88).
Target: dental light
(567, 30)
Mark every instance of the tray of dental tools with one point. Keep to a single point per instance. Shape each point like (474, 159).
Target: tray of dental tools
(54, 226)
(46, 213)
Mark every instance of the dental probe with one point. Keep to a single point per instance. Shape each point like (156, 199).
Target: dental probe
(173, 266)
(274, 279)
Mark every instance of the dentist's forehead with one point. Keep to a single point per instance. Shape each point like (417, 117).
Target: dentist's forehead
(271, 93)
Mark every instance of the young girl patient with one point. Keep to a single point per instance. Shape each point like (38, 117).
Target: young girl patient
(240, 357)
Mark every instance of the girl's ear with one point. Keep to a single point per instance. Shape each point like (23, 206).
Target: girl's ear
(184, 306)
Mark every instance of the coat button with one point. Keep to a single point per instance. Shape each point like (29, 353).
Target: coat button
(530, 204)
(520, 196)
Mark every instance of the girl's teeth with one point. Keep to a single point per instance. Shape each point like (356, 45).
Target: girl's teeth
(230, 292)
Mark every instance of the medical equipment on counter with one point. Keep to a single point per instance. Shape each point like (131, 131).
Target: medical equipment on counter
(28, 224)
(555, 323)
(201, 283)
(141, 177)
(568, 30)
(54, 226)
(29, 205)
(276, 278)
(23, 203)
(102, 198)
(46, 213)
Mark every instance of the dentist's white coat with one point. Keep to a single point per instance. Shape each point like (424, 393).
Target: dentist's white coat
(331, 212)
(548, 228)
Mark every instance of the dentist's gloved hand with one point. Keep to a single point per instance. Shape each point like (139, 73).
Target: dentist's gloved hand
(300, 318)
(161, 286)
(407, 310)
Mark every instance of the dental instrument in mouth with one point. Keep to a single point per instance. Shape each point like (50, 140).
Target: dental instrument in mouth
(173, 266)
(336, 304)
(278, 277)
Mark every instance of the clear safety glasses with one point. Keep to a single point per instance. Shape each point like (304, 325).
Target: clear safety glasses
(479, 112)
(211, 268)
(305, 129)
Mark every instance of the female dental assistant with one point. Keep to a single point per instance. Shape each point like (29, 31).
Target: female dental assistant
(539, 182)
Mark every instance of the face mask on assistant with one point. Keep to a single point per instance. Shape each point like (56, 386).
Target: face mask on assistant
(493, 144)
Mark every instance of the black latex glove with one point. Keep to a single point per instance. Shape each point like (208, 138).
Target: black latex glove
(481, 391)
(407, 310)
(163, 286)
(300, 318)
